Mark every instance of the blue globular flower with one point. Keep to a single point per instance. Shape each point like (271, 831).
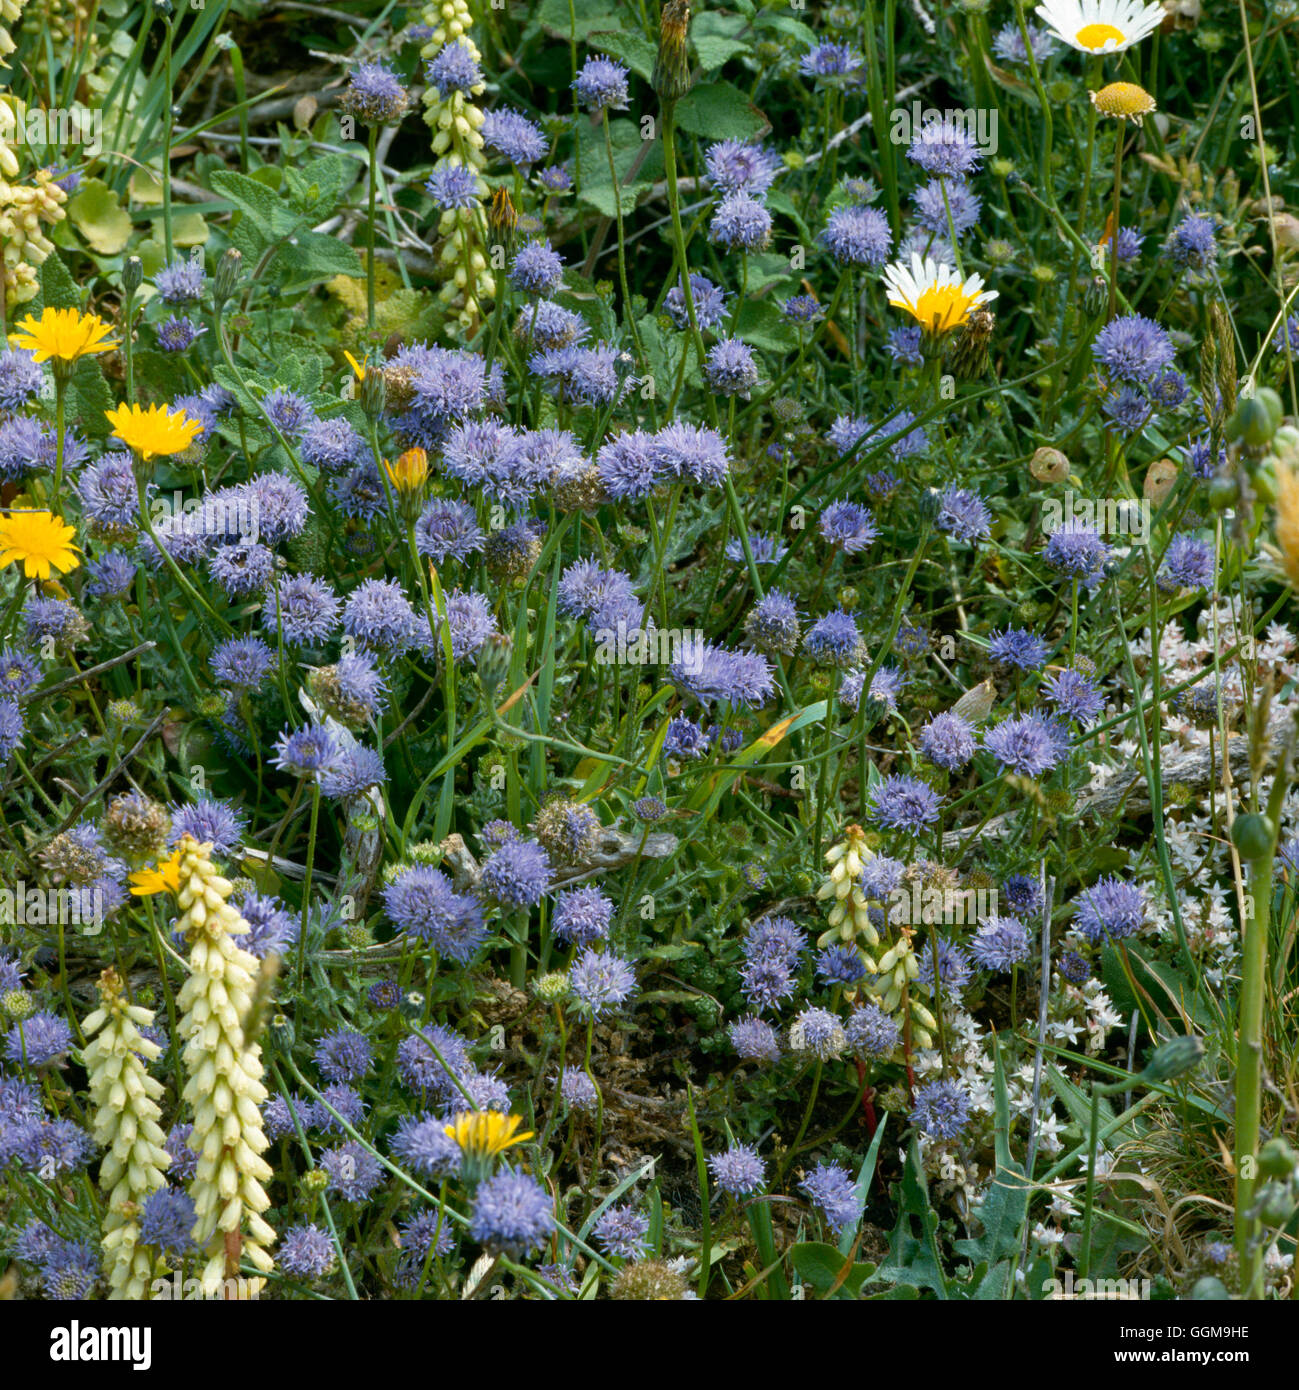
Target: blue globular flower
(1076, 551)
(1074, 967)
(740, 223)
(1191, 245)
(107, 488)
(802, 309)
(178, 334)
(941, 1109)
(306, 1251)
(1110, 910)
(834, 640)
(901, 802)
(71, 1271)
(582, 915)
(423, 902)
(738, 1171)
(355, 769)
(20, 378)
(945, 148)
(941, 199)
(454, 69)
(730, 368)
(343, 1054)
(870, 1031)
(848, 525)
(903, 345)
(209, 820)
(1008, 43)
(303, 607)
(1074, 695)
(452, 187)
(242, 662)
(374, 95)
(754, 1040)
(622, 1232)
(110, 576)
(19, 673)
(1025, 651)
(306, 751)
(739, 166)
(38, 1039)
(1288, 332)
(167, 1220)
(181, 282)
(184, 1160)
(857, 236)
(1023, 894)
(948, 741)
(830, 60)
(602, 85)
(953, 965)
(423, 1144)
(831, 1187)
(537, 269)
(772, 624)
(353, 1170)
(601, 982)
(379, 616)
(684, 738)
(1168, 390)
(513, 136)
(766, 550)
(517, 875)
(682, 450)
(711, 673)
(273, 928)
(840, 965)
(1132, 348)
(512, 1213)
(577, 1090)
(1000, 944)
(1029, 744)
(1188, 564)
(1128, 409)
(963, 514)
(709, 301)
(288, 411)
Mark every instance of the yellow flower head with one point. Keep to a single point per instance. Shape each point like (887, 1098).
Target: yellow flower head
(157, 430)
(483, 1134)
(1123, 100)
(933, 295)
(356, 366)
(410, 472)
(41, 541)
(63, 333)
(164, 877)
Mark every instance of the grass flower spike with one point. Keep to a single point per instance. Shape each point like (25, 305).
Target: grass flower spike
(154, 432)
(40, 541)
(933, 294)
(1101, 26)
(224, 1090)
(126, 1125)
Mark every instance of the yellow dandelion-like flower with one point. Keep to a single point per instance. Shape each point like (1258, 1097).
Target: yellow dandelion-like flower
(1123, 100)
(410, 472)
(485, 1133)
(41, 541)
(1101, 26)
(155, 431)
(356, 366)
(933, 294)
(63, 333)
(164, 877)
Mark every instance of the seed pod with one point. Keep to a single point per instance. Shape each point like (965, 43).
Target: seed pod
(1049, 465)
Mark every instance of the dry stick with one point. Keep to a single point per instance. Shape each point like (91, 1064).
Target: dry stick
(85, 675)
(127, 758)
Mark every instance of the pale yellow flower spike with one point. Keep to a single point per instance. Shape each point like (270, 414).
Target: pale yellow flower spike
(1287, 519)
(125, 1124)
(224, 1090)
(25, 207)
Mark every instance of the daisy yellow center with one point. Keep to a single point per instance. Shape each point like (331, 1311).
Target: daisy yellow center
(1096, 36)
(940, 308)
(1123, 99)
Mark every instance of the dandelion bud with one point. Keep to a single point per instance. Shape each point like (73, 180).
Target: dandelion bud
(671, 78)
(502, 218)
(226, 280)
(1173, 1059)
(968, 354)
(132, 274)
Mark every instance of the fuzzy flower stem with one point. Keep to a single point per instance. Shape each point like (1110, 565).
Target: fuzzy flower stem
(1114, 252)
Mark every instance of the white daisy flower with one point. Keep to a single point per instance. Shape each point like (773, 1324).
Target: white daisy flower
(1101, 26)
(933, 294)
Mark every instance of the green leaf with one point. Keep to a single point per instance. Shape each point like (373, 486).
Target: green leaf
(262, 206)
(584, 16)
(720, 111)
(58, 288)
(762, 325)
(913, 1250)
(635, 50)
(822, 1267)
(97, 213)
(312, 258)
(716, 38)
